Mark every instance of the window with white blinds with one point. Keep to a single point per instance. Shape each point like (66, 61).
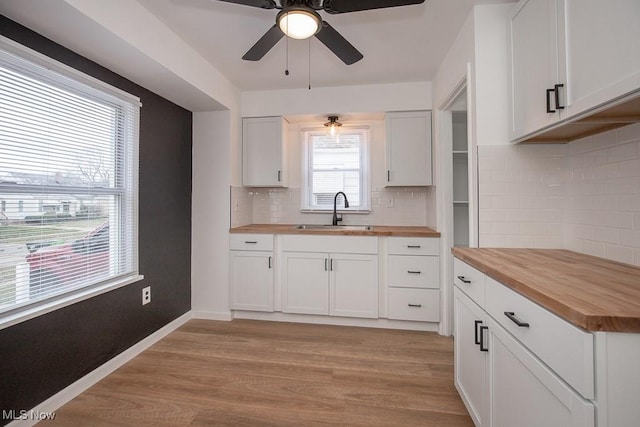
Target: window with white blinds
(68, 180)
(333, 164)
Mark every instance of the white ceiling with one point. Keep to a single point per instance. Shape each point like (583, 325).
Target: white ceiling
(401, 44)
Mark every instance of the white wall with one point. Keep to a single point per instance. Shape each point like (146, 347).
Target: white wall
(337, 100)
(212, 133)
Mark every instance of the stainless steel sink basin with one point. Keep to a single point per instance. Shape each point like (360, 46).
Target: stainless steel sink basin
(334, 227)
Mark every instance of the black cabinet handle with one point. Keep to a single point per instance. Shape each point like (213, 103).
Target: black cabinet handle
(388, 176)
(279, 176)
(331, 264)
(325, 264)
(482, 329)
(414, 246)
(464, 279)
(475, 327)
(549, 110)
(556, 89)
(415, 305)
(252, 242)
(413, 272)
(269, 262)
(512, 316)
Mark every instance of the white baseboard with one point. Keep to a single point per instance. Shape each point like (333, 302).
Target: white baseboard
(212, 315)
(62, 397)
(338, 321)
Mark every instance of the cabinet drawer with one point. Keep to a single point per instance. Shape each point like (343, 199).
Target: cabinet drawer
(251, 242)
(410, 271)
(414, 246)
(566, 349)
(414, 304)
(470, 281)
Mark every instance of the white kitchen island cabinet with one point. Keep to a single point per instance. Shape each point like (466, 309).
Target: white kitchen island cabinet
(538, 368)
(408, 148)
(264, 152)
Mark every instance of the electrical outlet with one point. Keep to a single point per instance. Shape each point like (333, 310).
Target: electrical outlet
(146, 295)
(390, 201)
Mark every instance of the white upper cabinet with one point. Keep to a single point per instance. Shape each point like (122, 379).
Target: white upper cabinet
(264, 152)
(408, 148)
(571, 59)
(603, 51)
(534, 66)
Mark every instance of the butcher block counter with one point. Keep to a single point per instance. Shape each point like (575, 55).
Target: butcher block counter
(343, 230)
(592, 293)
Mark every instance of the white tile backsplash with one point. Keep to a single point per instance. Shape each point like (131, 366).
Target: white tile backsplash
(410, 206)
(583, 196)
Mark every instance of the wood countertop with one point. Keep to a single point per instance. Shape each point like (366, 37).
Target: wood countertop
(592, 293)
(378, 230)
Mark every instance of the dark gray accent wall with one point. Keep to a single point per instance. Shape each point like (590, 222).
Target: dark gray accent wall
(42, 356)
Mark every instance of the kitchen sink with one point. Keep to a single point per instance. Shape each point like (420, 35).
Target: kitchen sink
(334, 227)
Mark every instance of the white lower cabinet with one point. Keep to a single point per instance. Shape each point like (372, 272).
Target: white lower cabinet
(305, 283)
(470, 356)
(251, 280)
(526, 393)
(330, 283)
(511, 377)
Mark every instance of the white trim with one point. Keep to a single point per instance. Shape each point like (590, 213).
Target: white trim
(25, 313)
(212, 315)
(67, 394)
(337, 321)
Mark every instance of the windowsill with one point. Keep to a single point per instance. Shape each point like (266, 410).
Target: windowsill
(29, 312)
(340, 211)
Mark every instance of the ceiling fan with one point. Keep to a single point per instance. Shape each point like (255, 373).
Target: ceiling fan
(299, 19)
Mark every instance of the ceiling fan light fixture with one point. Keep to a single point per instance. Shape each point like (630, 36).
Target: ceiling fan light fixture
(299, 22)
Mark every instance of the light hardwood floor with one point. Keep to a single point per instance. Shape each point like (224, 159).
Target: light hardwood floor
(251, 373)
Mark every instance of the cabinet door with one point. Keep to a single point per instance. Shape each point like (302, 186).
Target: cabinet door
(305, 285)
(263, 150)
(603, 51)
(525, 392)
(354, 285)
(251, 280)
(408, 148)
(534, 65)
(470, 362)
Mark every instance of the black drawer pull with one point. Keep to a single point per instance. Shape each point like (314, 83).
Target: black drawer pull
(414, 246)
(482, 329)
(413, 272)
(464, 279)
(512, 316)
(549, 109)
(253, 242)
(415, 305)
(476, 335)
(556, 89)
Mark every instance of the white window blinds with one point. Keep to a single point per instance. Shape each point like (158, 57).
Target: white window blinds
(336, 163)
(68, 181)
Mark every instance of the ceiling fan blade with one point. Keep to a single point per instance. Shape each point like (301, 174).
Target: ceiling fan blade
(345, 6)
(338, 44)
(264, 45)
(264, 4)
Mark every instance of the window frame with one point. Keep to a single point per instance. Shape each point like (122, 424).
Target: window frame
(365, 169)
(44, 68)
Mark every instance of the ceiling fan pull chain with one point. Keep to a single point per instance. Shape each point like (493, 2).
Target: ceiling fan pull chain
(309, 63)
(286, 70)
